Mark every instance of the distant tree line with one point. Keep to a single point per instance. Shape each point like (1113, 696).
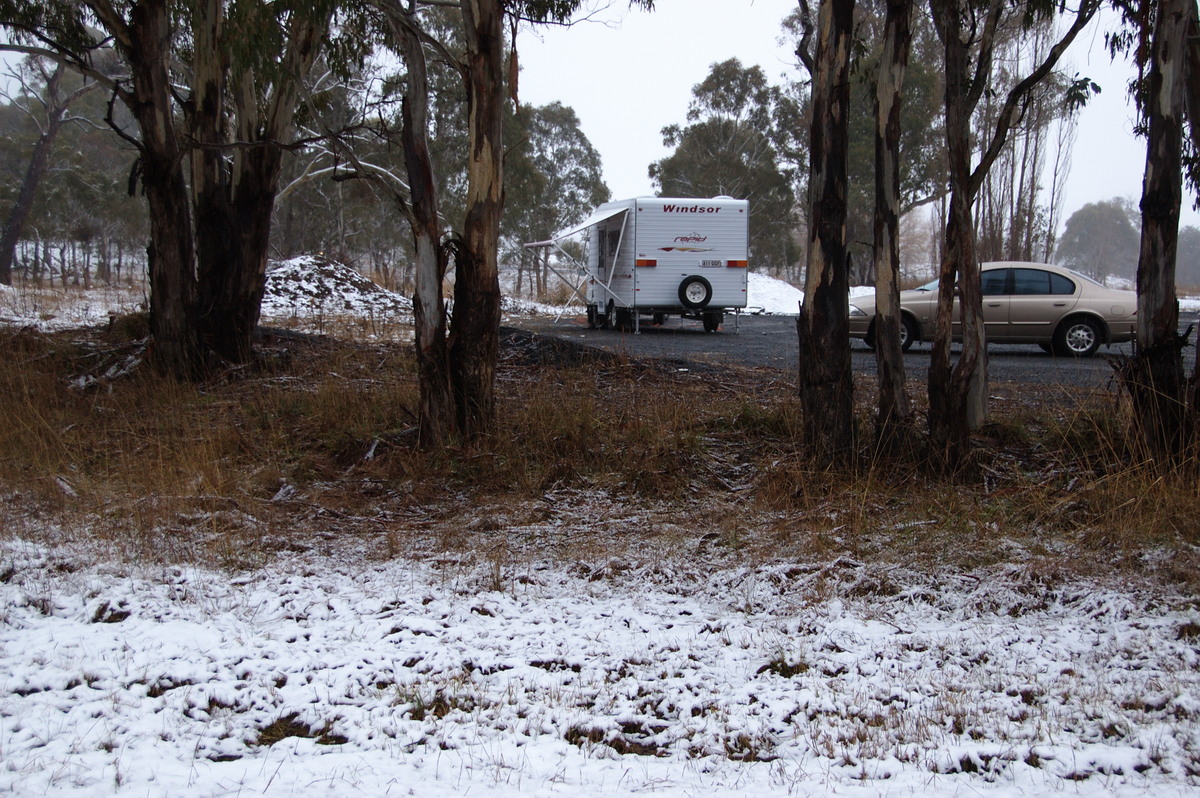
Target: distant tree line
(67, 215)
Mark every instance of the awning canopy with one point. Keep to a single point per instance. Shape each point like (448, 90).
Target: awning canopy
(596, 217)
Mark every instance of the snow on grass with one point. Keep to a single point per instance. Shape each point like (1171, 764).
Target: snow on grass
(58, 308)
(314, 676)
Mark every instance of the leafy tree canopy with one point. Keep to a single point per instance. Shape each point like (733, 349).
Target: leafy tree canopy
(1100, 241)
(553, 174)
(733, 145)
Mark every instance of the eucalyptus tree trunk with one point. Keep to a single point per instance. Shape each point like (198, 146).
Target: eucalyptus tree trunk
(436, 417)
(826, 383)
(216, 229)
(145, 43)
(233, 234)
(1154, 375)
(238, 146)
(957, 395)
(893, 420)
(475, 324)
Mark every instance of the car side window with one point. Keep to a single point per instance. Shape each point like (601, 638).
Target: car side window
(1031, 281)
(994, 282)
(1061, 285)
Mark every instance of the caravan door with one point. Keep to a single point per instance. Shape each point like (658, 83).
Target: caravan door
(607, 239)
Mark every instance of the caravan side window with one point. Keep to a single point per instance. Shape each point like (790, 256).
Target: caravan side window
(609, 239)
(614, 241)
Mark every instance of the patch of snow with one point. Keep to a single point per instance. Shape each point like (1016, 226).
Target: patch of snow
(316, 677)
(307, 287)
(56, 308)
(766, 295)
(511, 305)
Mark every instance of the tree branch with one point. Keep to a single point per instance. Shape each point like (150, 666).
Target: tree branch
(804, 46)
(1013, 106)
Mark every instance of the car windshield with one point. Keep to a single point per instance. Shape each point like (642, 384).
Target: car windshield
(929, 286)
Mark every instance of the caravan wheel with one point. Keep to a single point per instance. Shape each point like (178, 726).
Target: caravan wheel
(695, 292)
(607, 319)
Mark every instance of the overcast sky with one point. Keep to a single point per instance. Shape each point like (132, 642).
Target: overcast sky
(629, 73)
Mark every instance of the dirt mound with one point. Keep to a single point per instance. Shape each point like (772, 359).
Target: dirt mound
(526, 348)
(312, 285)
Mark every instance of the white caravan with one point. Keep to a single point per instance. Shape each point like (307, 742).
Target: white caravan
(655, 256)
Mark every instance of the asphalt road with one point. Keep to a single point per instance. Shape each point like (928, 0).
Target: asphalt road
(770, 342)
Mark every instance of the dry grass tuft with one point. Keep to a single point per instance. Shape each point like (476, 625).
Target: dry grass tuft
(600, 459)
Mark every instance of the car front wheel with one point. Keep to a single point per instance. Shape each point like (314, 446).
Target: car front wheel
(908, 334)
(1077, 338)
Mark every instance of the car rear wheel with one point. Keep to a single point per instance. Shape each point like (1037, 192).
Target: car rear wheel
(1077, 337)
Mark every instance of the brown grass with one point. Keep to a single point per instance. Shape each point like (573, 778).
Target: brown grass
(312, 447)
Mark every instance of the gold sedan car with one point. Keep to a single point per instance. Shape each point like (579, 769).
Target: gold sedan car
(1060, 310)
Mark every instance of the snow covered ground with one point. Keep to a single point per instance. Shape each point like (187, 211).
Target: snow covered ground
(320, 675)
(684, 673)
